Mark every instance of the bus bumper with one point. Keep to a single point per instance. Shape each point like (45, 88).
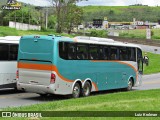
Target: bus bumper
(40, 89)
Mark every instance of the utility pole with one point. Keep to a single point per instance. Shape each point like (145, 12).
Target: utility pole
(29, 19)
(22, 16)
(46, 18)
(15, 17)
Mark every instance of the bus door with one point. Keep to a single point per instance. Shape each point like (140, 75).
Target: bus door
(140, 65)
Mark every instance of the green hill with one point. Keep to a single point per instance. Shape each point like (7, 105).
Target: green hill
(122, 13)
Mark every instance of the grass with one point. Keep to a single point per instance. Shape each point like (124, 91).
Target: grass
(154, 64)
(123, 101)
(6, 31)
(139, 33)
(148, 100)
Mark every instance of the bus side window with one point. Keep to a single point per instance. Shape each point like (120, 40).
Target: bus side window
(82, 52)
(123, 54)
(114, 53)
(72, 51)
(93, 52)
(101, 53)
(4, 50)
(63, 50)
(13, 52)
(106, 51)
(133, 54)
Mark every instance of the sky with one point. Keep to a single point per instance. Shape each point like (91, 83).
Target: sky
(100, 2)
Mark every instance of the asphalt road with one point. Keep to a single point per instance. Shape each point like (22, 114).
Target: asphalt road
(150, 82)
(10, 98)
(152, 49)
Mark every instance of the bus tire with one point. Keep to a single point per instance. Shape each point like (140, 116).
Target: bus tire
(76, 91)
(15, 89)
(130, 85)
(86, 89)
(43, 95)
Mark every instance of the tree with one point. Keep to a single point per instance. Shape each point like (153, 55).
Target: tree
(24, 16)
(73, 17)
(51, 22)
(61, 6)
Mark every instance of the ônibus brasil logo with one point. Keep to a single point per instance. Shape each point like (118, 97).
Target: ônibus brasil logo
(12, 5)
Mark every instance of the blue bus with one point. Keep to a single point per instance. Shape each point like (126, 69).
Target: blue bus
(77, 66)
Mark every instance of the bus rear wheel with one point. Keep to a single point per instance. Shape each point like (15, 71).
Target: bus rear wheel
(130, 85)
(43, 95)
(76, 91)
(86, 89)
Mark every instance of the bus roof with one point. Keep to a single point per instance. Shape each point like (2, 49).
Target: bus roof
(103, 41)
(83, 39)
(10, 39)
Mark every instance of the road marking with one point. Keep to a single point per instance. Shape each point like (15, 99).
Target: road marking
(152, 82)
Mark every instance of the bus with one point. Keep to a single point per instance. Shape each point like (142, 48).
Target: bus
(77, 66)
(8, 61)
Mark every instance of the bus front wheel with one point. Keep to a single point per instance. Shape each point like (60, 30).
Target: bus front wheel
(86, 89)
(130, 85)
(76, 91)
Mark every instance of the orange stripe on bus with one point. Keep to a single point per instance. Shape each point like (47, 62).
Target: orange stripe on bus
(34, 66)
(94, 84)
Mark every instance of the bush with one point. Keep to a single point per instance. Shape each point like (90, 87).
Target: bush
(98, 33)
(94, 34)
(155, 37)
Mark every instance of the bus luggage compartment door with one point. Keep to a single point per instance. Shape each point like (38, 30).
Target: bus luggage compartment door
(38, 77)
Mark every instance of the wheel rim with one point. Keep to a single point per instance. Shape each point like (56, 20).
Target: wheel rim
(129, 84)
(76, 91)
(86, 89)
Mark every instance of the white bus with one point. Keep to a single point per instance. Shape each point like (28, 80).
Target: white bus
(8, 61)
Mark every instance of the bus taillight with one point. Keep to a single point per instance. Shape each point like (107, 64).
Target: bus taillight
(53, 78)
(17, 74)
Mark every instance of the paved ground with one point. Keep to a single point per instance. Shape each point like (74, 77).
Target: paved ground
(152, 49)
(150, 82)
